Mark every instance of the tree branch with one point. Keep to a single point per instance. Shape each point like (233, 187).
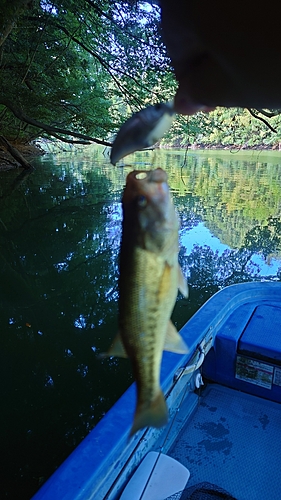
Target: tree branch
(7, 24)
(54, 131)
(269, 114)
(103, 63)
(102, 13)
(262, 120)
(15, 154)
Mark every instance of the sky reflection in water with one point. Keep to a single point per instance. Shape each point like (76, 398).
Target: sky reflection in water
(59, 242)
(201, 235)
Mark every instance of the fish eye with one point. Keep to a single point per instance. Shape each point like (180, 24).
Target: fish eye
(142, 201)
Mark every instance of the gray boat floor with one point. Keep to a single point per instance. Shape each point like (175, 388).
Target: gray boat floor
(234, 441)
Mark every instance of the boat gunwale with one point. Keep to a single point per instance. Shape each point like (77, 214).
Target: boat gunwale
(106, 448)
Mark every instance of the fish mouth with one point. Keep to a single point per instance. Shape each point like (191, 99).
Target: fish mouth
(150, 184)
(140, 175)
(158, 175)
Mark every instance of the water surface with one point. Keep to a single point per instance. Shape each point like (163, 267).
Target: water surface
(60, 234)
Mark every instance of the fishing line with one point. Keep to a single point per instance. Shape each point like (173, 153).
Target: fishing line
(185, 156)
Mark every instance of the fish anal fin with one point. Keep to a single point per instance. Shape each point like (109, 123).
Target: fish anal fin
(116, 348)
(182, 283)
(154, 415)
(173, 341)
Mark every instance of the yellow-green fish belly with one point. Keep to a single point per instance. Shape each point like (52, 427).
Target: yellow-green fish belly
(146, 305)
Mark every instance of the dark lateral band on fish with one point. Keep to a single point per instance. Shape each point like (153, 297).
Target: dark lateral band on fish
(149, 280)
(142, 130)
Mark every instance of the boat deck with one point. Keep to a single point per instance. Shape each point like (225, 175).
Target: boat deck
(229, 435)
(233, 440)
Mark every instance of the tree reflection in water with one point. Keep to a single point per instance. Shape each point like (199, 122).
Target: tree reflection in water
(59, 242)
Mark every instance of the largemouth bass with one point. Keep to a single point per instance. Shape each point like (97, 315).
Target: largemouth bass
(150, 277)
(142, 130)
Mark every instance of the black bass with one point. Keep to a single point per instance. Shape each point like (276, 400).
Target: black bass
(142, 130)
(150, 277)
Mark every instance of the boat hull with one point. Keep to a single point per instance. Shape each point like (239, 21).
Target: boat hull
(102, 464)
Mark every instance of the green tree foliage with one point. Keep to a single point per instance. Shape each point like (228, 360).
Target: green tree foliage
(228, 128)
(76, 69)
(45, 78)
(208, 269)
(10, 12)
(75, 66)
(265, 238)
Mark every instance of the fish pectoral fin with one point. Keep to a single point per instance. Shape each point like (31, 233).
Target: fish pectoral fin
(116, 349)
(182, 283)
(153, 415)
(173, 341)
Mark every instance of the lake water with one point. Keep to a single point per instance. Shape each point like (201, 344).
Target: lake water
(60, 234)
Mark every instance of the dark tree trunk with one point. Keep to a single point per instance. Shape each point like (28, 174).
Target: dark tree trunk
(15, 154)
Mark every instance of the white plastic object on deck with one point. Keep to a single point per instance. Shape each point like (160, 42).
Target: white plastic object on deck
(156, 478)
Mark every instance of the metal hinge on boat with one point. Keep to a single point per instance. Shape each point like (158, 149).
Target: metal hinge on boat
(201, 352)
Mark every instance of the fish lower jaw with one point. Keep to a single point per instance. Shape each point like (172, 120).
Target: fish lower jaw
(161, 128)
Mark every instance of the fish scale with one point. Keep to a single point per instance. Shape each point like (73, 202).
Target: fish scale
(148, 284)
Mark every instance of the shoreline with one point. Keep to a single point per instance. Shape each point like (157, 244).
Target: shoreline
(29, 151)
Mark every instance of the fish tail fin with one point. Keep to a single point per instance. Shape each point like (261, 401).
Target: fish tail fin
(154, 415)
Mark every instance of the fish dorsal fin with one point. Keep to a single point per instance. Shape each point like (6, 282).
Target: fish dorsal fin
(182, 284)
(116, 348)
(173, 341)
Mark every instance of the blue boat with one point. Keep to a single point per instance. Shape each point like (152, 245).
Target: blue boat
(223, 439)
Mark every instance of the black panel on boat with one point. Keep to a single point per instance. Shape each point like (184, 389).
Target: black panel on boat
(202, 491)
